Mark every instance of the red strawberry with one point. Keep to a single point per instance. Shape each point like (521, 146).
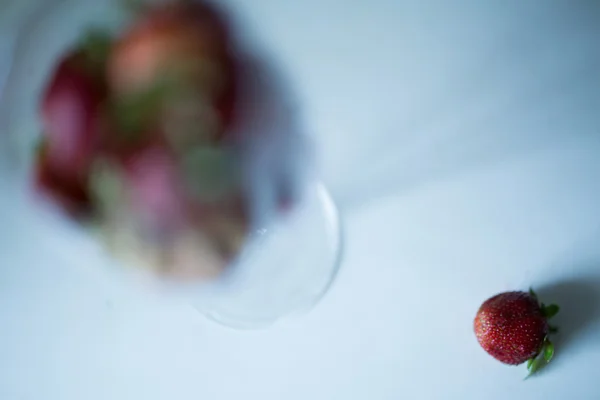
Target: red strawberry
(156, 193)
(73, 121)
(172, 48)
(69, 112)
(71, 106)
(188, 38)
(513, 328)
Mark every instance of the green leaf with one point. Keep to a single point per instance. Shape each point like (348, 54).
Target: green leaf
(135, 111)
(550, 311)
(537, 364)
(548, 351)
(106, 186)
(532, 293)
(97, 44)
(542, 359)
(529, 362)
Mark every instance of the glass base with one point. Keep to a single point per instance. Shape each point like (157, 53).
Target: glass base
(285, 270)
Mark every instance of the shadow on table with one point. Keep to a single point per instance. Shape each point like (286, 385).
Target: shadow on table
(477, 123)
(579, 301)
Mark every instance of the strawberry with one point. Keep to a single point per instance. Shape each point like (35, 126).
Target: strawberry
(170, 51)
(68, 190)
(70, 113)
(72, 122)
(155, 191)
(513, 328)
(177, 37)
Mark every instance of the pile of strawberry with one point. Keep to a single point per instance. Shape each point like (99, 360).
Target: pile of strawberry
(136, 140)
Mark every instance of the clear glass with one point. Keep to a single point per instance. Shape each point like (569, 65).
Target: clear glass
(286, 266)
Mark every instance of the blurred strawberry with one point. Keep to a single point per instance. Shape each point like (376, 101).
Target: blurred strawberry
(72, 122)
(154, 188)
(187, 39)
(71, 105)
(173, 50)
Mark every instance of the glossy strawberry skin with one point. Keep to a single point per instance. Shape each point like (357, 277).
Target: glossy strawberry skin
(511, 327)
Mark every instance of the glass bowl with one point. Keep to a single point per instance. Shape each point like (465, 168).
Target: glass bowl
(287, 262)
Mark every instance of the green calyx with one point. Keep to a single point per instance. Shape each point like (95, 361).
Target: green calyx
(546, 353)
(532, 293)
(549, 311)
(135, 112)
(542, 359)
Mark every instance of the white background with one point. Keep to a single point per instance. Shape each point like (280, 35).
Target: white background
(462, 142)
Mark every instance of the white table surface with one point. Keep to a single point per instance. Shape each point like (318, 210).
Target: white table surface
(462, 143)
